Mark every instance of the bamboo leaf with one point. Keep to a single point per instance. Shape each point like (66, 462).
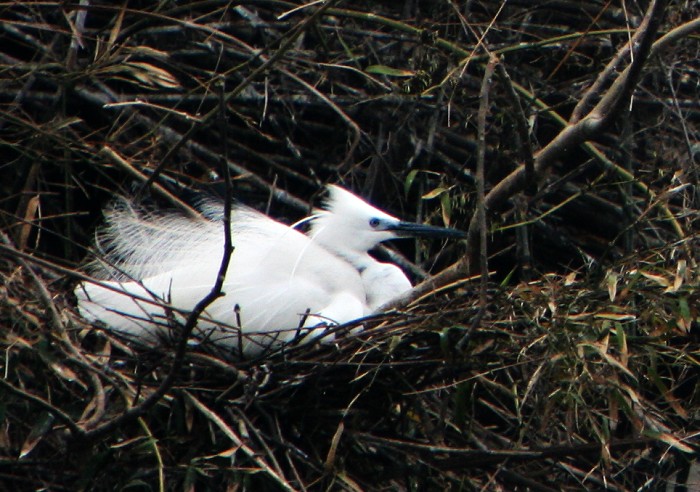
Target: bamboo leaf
(41, 427)
(389, 71)
(611, 280)
(434, 193)
(660, 280)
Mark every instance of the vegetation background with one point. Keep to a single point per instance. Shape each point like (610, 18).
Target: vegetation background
(571, 159)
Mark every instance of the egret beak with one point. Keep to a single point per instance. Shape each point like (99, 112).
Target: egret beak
(412, 229)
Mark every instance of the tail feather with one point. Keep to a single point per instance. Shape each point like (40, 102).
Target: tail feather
(127, 308)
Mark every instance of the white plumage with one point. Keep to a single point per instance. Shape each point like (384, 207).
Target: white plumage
(280, 284)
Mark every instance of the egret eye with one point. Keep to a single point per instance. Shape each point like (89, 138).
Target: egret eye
(374, 222)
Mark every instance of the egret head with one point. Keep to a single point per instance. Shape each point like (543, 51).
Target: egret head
(350, 226)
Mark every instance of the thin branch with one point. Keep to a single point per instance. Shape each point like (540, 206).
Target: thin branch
(190, 324)
(355, 129)
(237, 440)
(40, 402)
(481, 223)
(525, 150)
(158, 188)
(570, 137)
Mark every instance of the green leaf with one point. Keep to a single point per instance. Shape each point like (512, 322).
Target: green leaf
(388, 71)
(410, 178)
(446, 203)
(686, 316)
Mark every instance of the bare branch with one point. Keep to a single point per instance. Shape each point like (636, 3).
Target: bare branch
(570, 137)
(192, 319)
(481, 222)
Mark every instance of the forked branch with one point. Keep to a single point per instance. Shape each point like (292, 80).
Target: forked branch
(579, 130)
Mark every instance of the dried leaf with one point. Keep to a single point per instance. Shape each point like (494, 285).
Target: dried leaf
(434, 193)
(149, 51)
(152, 75)
(668, 395)
(616, 316)
(675, 403)
(673, 442)
(226, 453)
(578, 317)
(134, 441)
(622, 344)
(66, 373)
(680, 275)
(408, 182)
(329, 463)
(30, 214)
(116, 29)
(662, 281)
(446, 207)
(602, 350)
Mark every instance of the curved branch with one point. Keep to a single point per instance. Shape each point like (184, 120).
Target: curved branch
(573, 135)
(216, 291)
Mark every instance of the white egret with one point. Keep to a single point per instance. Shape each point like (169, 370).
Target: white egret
(280, 284)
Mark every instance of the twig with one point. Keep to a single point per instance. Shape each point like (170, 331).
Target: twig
(191, 322)
(526, 154)
(131, 170)
(481, 223)
(525, 151)
(236, 439)
(355, 129)
(57, 412)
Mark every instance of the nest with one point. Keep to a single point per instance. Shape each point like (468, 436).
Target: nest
(574, 366)
(575, 381)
